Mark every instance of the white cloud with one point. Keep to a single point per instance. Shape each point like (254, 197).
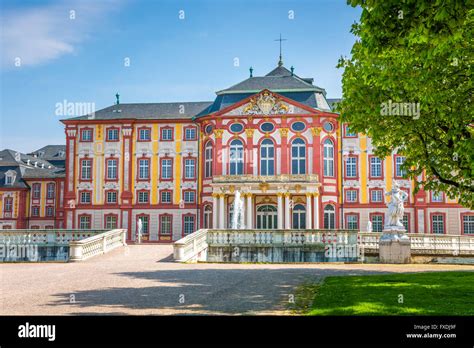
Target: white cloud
(38, 35)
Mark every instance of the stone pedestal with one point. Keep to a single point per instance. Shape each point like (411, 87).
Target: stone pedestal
(394, 247)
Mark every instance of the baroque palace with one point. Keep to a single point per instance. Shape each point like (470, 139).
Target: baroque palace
(274, 140)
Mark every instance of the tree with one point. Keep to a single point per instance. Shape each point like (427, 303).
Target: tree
(415, 55)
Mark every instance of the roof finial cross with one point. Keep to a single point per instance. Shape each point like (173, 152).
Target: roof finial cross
(280, 62)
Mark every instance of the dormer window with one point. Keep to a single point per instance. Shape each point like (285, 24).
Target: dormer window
(61, 153)
(40, 153)
(9, 180)
(10, 177)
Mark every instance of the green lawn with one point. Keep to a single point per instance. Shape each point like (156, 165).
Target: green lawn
(432, 293)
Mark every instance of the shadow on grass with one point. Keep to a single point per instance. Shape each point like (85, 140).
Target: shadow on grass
(433, 293)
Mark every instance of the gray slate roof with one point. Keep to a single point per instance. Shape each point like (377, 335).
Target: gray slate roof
(333, 101)
(24, 169)
(279, 80)
(149, 111)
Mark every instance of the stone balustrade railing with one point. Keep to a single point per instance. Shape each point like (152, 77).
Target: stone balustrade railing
(426, 244)
(192, 247)
(280, 237)
(96, 245)
(266, 178)
(45, 236)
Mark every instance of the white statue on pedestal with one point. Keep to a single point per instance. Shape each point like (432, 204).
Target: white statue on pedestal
(139, 231)
(394, 215)
(394, 228)
(369, 226)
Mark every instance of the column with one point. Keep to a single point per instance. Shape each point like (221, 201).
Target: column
(309, 214)
(249, 210)
(214, 210)
(316, 211)
(287, 211)
(221, 211)
(280, 210)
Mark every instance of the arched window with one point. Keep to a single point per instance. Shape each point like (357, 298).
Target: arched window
(236, 157)
(298, 157)
(208, 217)
(299, 217)
(208, 160)
(329, 217)
(328, 157)
(267, 158)
(266, 217)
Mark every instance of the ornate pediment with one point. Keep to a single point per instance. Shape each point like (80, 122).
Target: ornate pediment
(266, 103)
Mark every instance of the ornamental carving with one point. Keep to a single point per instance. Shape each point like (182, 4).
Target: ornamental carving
(249, 132)
(218, 133)
(284, 132)
(265, 104)
(315, 131)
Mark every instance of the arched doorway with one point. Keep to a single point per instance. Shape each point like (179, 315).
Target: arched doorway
(266, 217)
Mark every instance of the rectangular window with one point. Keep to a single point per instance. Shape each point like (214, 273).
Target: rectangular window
(351, 167)
(144, 169)
(399, 172)
(112, 134)
(352, 222)
(375, 167)
(86, 135)
(49, 211)
(36, 191)
(9, 180)
(351, 196)
(144, 134)
(50, 191)
(190, 134)
(85, 222)
(166, 134)
(468, 224)
(350, 133)
(189, 196)
(436, 197)
(188, 224)
(86, 197)
(189, 168)
(145, 224)
(111, 197)
(165, 197)
(166, 169)
(112, 165)
(111, 222)
(35, 211)
(438, 223)
(8, 205)
(143, 196)
(376, 196)
(377, 223)
(86, 169)
(406, 223)
(165, 224)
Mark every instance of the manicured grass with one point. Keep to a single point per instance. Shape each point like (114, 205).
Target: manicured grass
(431, 293)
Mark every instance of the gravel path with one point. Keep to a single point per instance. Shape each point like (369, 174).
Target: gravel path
(143, 280)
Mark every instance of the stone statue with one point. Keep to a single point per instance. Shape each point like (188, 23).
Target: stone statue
(139, 231)
(394, 215)
(369, 226)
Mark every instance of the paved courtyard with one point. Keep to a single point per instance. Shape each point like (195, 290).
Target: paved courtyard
(144, 280)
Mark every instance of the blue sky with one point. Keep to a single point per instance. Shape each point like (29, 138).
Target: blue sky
(82, 59)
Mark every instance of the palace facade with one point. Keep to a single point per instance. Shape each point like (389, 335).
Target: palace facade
(274, 140)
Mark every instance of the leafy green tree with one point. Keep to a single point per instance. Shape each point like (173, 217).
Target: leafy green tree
(410, 54)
